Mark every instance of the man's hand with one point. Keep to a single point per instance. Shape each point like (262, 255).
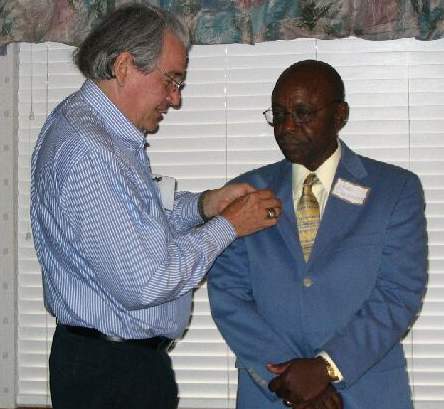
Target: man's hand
(299, 380)
(328, 399)
(253, 212)
(215, 201)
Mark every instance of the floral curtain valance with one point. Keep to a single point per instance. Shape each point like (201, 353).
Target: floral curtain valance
(235, 21)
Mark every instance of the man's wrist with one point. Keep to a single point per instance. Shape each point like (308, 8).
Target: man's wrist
(200, 206)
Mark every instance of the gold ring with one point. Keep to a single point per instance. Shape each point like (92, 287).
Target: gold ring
(271, 213)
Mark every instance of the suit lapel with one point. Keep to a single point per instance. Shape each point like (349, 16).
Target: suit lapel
(339, 215)
(286, 226)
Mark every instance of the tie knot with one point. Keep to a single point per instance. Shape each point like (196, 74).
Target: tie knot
(311, 180)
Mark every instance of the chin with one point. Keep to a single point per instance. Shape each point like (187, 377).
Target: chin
(294, 158)
(151, 128)
(300, 161)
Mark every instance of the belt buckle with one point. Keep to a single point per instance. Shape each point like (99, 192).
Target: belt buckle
(113, 338)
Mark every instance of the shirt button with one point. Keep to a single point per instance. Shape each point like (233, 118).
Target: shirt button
(308, 282)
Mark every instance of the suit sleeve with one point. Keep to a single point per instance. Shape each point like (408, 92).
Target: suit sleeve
(251, 338)
(396, 298)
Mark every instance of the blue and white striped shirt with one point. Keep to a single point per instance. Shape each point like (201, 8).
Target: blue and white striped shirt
(112, 258)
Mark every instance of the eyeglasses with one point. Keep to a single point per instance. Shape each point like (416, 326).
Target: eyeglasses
(172, 83)
(301, 115)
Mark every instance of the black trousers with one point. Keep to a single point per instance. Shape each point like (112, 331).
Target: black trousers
(93, 373)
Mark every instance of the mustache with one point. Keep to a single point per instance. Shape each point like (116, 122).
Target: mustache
(290, 137)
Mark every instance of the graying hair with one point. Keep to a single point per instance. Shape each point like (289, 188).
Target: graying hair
(138, 29)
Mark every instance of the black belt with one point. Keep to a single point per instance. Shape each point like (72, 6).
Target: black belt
(157, 343)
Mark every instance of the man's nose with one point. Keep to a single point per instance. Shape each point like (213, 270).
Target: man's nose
(174, 97)
(288, 122)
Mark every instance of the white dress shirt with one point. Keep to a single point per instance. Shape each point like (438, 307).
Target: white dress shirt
(325, 173)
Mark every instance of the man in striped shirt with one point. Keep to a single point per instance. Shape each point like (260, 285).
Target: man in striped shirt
(119, 263)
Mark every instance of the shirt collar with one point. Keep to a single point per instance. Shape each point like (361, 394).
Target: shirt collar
(325, 173)
(118, 123)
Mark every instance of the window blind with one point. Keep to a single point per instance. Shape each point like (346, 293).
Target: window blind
(396, 93)
(425, 346)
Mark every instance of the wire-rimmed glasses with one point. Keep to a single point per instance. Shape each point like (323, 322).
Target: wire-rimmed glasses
(172, 83)
(301, 115)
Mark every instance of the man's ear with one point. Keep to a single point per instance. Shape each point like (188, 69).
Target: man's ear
(122, 66)
(341, 118)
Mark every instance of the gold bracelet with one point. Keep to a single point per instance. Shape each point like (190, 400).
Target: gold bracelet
(331, 371)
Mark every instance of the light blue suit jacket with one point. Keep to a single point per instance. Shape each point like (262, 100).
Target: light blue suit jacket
(368, 270)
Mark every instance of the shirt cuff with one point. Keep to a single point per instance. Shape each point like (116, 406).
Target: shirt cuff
(221, 231)
(185, 207)
(327, 357)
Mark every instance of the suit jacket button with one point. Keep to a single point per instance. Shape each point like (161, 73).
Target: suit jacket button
(308, 282)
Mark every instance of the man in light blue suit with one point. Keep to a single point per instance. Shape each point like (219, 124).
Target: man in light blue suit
(328, 306)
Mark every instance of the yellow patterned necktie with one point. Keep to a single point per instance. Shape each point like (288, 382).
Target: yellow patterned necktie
(308, 215)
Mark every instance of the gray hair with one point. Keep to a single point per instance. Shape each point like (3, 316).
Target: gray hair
(138, 29)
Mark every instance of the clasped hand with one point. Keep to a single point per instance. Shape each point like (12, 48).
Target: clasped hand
(303, 383)
(246, 208)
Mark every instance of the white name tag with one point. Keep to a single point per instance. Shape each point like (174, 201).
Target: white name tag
(350, 192)
(167, 187)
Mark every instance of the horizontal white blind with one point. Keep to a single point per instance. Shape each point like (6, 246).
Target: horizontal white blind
(425, 347)
(396, 93)
(39, 67)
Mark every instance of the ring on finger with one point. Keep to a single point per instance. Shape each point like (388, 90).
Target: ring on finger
(271, 213)
(287, 403)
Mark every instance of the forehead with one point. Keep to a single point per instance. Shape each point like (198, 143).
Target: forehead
(173, 57)
(304, 87)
